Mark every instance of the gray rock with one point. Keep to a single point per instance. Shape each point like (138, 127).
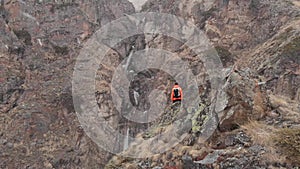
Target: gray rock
(33, 144)
(210, 158)
(10, 145)
(3, 141)
(187, 161)
(157, 167)
(184, 127)
(242, 138)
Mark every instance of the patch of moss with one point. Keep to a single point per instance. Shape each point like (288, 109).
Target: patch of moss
(199, 119)
(288, 141)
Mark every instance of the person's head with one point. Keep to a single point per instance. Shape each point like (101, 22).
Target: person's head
(176, 83)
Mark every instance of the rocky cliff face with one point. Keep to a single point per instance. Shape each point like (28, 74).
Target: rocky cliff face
(277, 61)
(258, 42)
(40, 41)
(231, 24)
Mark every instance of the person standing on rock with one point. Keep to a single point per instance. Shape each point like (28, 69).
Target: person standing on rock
(176, 95)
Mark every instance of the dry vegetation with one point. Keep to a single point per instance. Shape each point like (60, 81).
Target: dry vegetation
(282, 144)
(259, 132)
(262, 134)
(287, 140)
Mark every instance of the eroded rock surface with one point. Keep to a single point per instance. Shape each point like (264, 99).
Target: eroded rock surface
(258, 43)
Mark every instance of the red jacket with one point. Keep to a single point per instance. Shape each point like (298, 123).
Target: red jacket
(180, 91)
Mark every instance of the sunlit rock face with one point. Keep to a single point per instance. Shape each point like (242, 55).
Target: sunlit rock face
(138, 4)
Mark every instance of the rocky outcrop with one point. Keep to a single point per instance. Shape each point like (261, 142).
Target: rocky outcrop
(258, 43)
(276, 61)
(39, 43)
(261, 61)
(243, 100)
(234, 25)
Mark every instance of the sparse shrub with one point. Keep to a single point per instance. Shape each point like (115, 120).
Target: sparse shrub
(288, 142)
(259, 132)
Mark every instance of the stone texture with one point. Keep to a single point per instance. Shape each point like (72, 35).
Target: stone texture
(258, 43)
(39, 42)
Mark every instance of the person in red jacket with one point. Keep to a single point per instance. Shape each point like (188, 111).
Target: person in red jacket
(176, 95)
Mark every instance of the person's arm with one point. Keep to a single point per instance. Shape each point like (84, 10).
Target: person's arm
(172, 94)
(181, 96)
